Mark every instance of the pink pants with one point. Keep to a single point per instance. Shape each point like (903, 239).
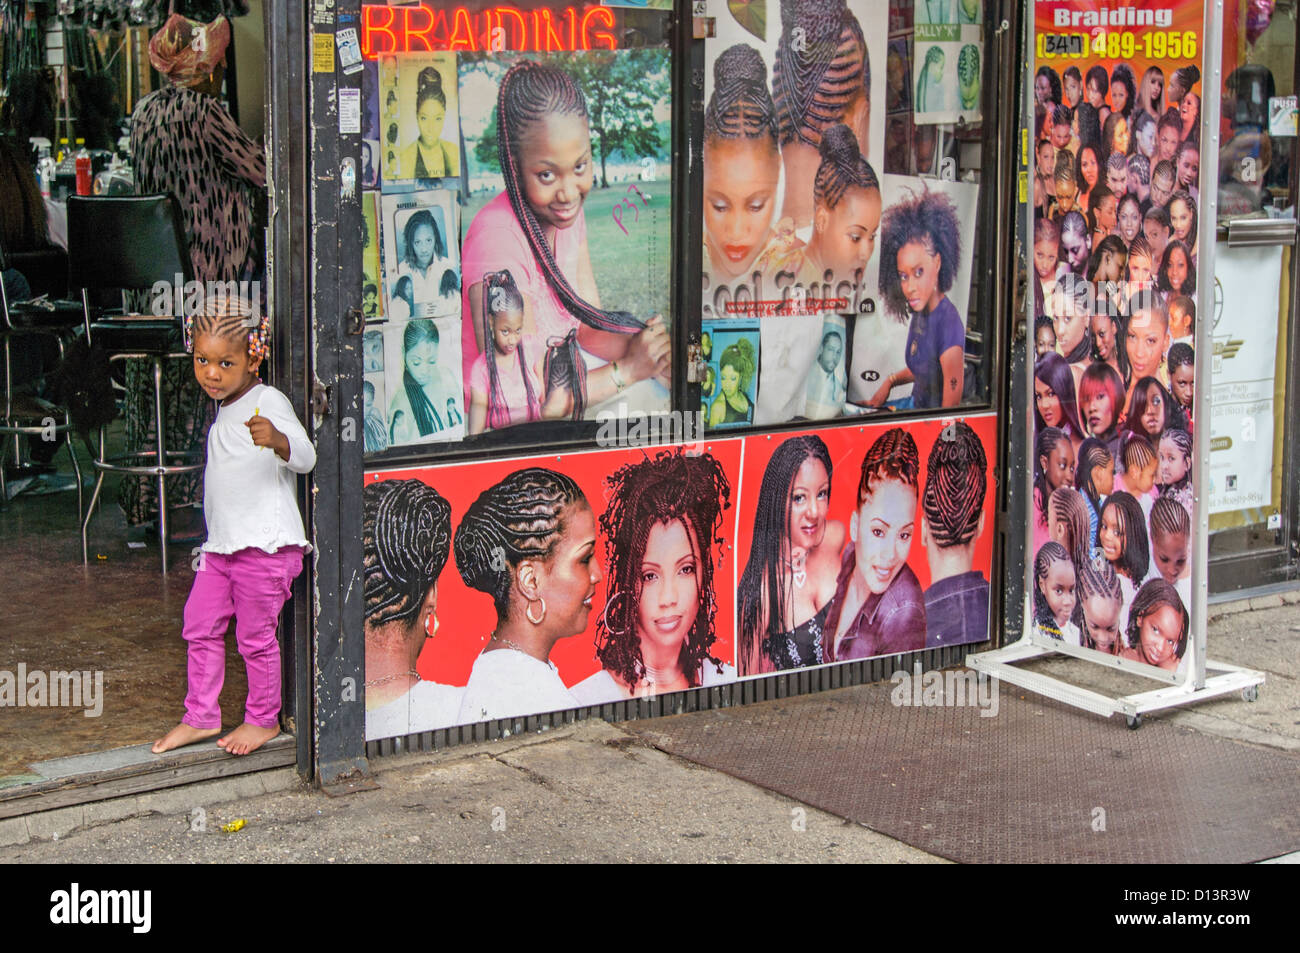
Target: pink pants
(251, 585)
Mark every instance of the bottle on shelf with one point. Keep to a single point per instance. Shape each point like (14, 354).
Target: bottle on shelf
(82, 160)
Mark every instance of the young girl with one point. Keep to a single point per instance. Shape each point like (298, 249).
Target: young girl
(1053, 468)
(1171, 534)
(1100, 598)
(255, 543)
(919, 258)
(1055, 601)
(1067, 521)
(1139, 476)
(1182, 319)
(505, 381)
(1094, 477)
(1157, 626)
(1122, 537)
(1174, 467)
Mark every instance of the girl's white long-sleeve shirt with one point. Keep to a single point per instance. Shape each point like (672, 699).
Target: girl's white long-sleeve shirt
(250, 496)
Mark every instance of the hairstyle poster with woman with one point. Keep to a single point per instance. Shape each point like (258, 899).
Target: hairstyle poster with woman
(518, 587)
(421, 257)
(1117, 97)
(423, 121)
(566, 289)
(793, 151)
(910, 352)
(864, 541)
(422, 376)
(730, 387)
(372, 298)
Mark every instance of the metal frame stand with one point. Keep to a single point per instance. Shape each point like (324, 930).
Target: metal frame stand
(1189, 683)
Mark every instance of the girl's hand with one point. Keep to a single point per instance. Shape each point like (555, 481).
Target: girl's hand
(264, 434)
(647, 353)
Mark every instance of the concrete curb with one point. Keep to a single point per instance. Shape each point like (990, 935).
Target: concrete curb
(51, 825)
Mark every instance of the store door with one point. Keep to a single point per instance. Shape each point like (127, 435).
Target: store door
(1252, 497)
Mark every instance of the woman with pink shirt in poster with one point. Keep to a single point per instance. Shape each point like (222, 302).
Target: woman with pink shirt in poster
(536, 229)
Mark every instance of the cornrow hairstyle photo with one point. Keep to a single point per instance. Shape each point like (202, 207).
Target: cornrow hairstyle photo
(1054, 371)
(564, 370)
(842, 167)
(930, 219)
(531, 91)
(1169, 518)
(767, 571)
(671, 487)
(1184, 197)
(1138, 248)
(1066, 504)
(1185, 77)
(1136, 452)
(1048, 555)
(232, 317)
(741, 106)
(893, 456)
(1139, 165)
(817, 77)
(956, 477)
(501, 296)
(1048, 439)
(1099, 194)
(1045, 230)
(1117, 161)
(405, 537)
(1097, 578)
(1092, 454)
(1182, 441)
(1156, 594)
(1112, 245)
(1135, 557)
(520, 518)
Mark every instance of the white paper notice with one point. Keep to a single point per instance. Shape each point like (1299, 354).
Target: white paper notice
(349, 111)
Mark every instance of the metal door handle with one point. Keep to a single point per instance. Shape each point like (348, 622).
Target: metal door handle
(1244, 232)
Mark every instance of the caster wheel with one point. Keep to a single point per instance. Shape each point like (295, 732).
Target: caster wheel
(1250, 693)
(1134, 722)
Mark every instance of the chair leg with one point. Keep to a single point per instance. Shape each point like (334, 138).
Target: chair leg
(94, 497)
(161, 461)
(76, 468)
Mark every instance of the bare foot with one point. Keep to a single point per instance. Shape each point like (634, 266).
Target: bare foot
(182, 734)
(246, 738)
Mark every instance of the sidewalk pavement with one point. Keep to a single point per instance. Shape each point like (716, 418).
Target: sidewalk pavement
(591, 792)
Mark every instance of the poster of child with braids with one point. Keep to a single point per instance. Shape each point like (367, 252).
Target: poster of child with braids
(948, 58)
(517, 587)
(1117, 102)
(569, 172)
(864, 541)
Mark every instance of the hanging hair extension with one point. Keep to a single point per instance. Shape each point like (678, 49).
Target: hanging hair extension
(1135, 557)
(767, 571)
(1156, 594)
(842, 167)
(519, 518)
(956, 474)
(501, 296)
(564, 369)
(1070, 507)
(741, 106)
(672, 487)
(427, 418)
(815, 82)
(22, 211)
(405, 539)
(529, 93)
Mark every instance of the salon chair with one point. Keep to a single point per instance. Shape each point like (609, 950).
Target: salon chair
(129, 243)
(35, 322)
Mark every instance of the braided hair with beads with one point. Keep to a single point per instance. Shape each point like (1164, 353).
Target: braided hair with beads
(820, 71)
(405, 539)
(231, 317)
(501, 296)
(519, 518)
(671, 487)
(956, 474)
(531, 91)
(767, 572)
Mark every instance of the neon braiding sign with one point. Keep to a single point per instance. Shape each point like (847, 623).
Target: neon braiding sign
(415, 28)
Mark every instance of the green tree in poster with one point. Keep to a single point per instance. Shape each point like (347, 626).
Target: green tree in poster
(485, 150)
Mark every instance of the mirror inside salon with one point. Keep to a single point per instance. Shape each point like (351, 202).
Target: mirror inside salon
(101, 100)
